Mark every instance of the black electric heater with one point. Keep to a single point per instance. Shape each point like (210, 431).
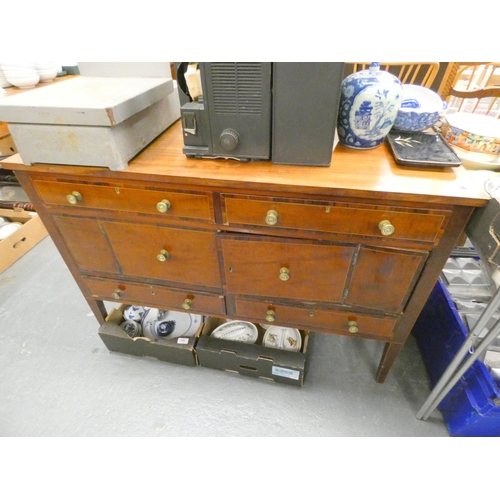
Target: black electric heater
(285, 112)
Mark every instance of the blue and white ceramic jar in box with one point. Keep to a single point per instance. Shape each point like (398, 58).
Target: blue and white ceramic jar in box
(369, 103)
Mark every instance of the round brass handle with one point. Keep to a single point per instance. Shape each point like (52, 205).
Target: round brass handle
(74, 197)
(163, 206)
(386, 228)
(163, 256)
(353, 327)
(271, 218)
(284, 274)
(187, 304)
(116, 294)
(270, 316)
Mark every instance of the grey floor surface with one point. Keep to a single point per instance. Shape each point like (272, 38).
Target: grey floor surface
(58, 378)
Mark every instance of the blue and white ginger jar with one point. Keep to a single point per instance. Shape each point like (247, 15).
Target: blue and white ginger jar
(369, 103)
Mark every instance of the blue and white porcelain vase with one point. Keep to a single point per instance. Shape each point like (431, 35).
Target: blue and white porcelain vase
(369, 103)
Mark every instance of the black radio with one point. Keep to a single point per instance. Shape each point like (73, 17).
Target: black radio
(285, 112)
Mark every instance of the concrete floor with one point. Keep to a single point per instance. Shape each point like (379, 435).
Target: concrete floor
(58, 378)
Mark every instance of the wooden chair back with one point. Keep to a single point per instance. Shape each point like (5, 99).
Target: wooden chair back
(418, 73)
(472, 88)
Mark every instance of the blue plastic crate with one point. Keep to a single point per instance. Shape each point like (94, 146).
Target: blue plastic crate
(472, 407)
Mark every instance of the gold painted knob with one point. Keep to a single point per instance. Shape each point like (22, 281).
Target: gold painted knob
(116, 294)
(163, 206)
(270, 316)
(284, 274)
(386, 228)
(353, 327)
(271, 218)
(74, 197)
(163, 256)
(187, 304)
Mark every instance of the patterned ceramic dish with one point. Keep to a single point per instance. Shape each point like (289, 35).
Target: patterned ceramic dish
(159, 324)
(280, 337)
(474, 133)
(134, 313)
(420, 109)
(239, 331)
(131, 328)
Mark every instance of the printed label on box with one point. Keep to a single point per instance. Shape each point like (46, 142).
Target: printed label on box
(181, 340)
(285, 372)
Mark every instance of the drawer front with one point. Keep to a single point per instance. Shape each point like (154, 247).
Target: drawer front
(340, 322)
(348, 219)
(290, 269)
(154, 295)
(364, 277)
(177, 204)
(171, 254)
(87, 243)
(383, 278)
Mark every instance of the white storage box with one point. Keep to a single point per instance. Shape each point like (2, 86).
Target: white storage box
(90, 121)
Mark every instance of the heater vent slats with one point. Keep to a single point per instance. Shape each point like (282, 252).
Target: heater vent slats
(237, 88)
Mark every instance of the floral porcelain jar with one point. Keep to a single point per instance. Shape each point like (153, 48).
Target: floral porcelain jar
(369, 103)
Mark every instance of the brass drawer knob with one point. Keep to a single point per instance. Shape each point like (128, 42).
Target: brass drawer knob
(117, 294)
(163, 206)
(284, 274)
(270, 316)
(386, 228)
(74, 197)
(187, 304)
(163, 256)
(353, 327)
(271, 218)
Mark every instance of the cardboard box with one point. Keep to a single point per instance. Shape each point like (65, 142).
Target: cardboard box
(90, 121)
(179, 350)
(24, 239)
(253, 360)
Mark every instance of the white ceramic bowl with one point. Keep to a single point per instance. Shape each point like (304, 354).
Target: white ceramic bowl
(4, 220)
(24, 82)
(47, 75)
(8, 229)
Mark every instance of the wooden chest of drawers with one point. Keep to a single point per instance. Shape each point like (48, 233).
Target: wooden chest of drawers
(352, 249)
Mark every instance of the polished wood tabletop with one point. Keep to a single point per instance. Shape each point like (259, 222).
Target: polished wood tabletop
(361, 172)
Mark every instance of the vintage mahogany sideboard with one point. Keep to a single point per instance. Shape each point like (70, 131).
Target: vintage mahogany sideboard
(351, 249)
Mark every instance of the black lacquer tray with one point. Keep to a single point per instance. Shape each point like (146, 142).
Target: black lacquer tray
(421, 150)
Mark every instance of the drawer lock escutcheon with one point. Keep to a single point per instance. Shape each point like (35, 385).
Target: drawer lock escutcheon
(117, 294)
(284, 274)
(74, 197)
(270, 316)
(187, 304)
(163, 206)
(272, 218)
(163, 256)
(353, 327)
(386, 228)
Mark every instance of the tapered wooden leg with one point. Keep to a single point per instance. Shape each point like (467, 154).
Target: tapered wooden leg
(391, 352)
(98, 309)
